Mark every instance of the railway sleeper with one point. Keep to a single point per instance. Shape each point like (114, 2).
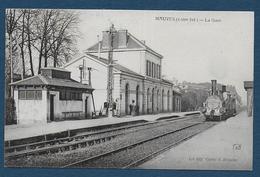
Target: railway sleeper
(64, 148)
(68, 147)
(41, 146)
(82, 145)
(55, 141)
(97, 141)
(74, 146)
(91, 143)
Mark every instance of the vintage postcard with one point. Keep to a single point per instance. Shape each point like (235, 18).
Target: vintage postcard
(143, 89)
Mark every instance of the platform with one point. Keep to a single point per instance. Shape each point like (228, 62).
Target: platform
(226, 146)
(13, 132)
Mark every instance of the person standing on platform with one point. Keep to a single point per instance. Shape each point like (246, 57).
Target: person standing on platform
(114, 109)
(117, 108)
(132, 108)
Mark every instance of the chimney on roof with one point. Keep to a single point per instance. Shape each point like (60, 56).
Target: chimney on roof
(213, 87)
(105, 40)
(224, 88)
(122, 38)
(229, 95)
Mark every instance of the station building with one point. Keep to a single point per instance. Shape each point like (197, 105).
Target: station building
(249, 87)
(51, 96)
(136, 75)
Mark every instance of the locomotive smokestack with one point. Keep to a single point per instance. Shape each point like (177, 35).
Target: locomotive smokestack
(224, 88)
(213, 87)
(229, 95)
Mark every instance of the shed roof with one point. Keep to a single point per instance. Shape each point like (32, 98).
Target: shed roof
(54, 68)
(40, 80)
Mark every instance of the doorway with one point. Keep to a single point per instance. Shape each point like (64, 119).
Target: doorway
(137, 99)
(86, 107)
(126, 98)
(173, 102)
(153, 100)
(148, 97)
(52, 107)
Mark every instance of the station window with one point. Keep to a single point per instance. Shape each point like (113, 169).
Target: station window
(62, 95)
(22, 95)
(147, 68)
(70, 95)
(152, 70)
(30, 95)
(38, 94)
(157, 74)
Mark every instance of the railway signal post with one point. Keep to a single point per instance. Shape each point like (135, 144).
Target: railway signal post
(111, 34)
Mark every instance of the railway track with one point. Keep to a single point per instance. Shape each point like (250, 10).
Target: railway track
(122, 157)
(82, 140)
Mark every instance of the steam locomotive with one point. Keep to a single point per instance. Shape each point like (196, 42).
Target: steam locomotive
(220, 105)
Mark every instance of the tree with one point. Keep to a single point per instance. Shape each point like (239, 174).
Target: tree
(63, 37)
(29, 45)
(12, 18)
(57, 34)
(49, 34)
(189, 101)
(38, 38)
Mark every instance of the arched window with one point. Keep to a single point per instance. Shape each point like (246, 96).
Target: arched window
(148, 97)
(173, 102)
(153, 100)
(157, 106)
(168, 100)
(162, 100)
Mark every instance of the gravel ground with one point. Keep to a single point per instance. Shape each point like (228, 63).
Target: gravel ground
(126, 157)
(112, 133)
(63, 158)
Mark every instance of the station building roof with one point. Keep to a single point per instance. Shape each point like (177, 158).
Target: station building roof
(121, 69)
(48, 77)
(126, 70)
(116, 66)
(123, 37)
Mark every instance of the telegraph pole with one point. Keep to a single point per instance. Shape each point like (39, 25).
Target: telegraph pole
(111, 33)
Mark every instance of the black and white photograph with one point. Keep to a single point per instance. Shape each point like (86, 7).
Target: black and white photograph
(129, 89)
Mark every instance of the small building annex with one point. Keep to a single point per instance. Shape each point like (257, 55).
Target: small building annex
(136, 75)
(52, 95)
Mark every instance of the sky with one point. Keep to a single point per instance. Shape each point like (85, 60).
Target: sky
(196, 46)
